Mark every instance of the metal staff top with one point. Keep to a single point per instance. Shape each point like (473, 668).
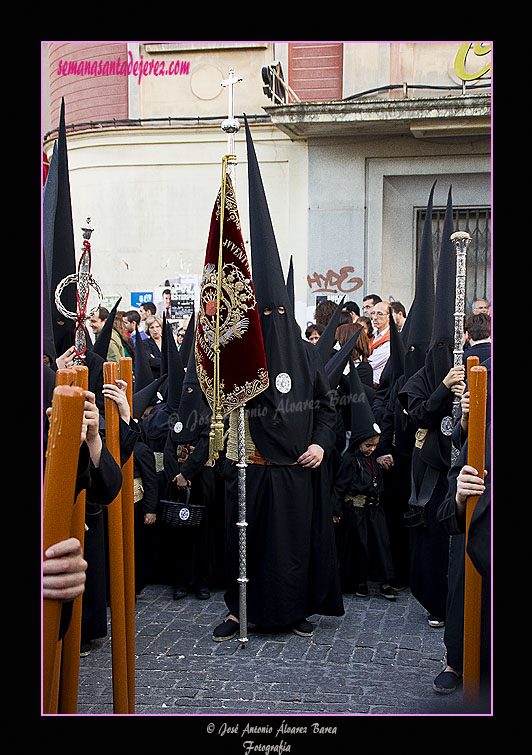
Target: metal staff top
(83, 280)
(231, 125)
(461, 241)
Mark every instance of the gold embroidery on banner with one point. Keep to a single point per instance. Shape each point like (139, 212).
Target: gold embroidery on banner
(240, 394)
(231, 208)
(237, 298)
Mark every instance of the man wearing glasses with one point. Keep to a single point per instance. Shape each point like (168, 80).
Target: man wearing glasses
(380, 341)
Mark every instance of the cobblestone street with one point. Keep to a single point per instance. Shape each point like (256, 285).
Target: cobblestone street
(379, 658)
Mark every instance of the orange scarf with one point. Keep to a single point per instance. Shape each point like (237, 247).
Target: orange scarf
(373, 343)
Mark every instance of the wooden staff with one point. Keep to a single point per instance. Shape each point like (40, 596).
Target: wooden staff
(473, 580)
(128, 517)
(68, 691)
(116, 556)
(62, 455)
(64, 376)
(471, 362)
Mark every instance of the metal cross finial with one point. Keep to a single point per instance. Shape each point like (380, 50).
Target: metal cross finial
(231, 125)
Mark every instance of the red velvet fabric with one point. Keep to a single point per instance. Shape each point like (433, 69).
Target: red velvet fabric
(243, 371)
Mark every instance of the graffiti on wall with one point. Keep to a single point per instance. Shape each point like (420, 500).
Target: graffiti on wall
(342, 282)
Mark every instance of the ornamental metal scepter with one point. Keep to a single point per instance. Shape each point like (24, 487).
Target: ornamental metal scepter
(461, 241)
(230, 126)
(84, 281)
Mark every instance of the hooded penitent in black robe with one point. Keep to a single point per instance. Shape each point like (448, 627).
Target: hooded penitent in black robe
(193, 549)
(408, 350)
(479, 550)
(430, 405)
(291, 556)
(364, 549)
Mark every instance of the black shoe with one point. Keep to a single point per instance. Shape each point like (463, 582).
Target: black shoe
(303, 628)
(397, 586)
(85, 649)
(179, 592)
(387, 592)
(435, 622)
(362, 591)
(446, 682)
(226, 630)
(202, 592)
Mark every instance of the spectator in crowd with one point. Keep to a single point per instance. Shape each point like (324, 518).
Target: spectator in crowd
(368, 302)
(398, 314)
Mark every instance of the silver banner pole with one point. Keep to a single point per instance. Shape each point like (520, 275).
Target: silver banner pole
(230, 126)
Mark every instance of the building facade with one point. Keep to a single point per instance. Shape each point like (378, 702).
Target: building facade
(350, 140)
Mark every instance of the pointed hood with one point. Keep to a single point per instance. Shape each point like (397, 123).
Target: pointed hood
(336, 364)
(176, 371)
(267, 272)
(188, 338)
(58, 238)
(101, 345)
(439, 359)
(328, 337)
(143, 371)
(164, 347)
(363, 423)
(417, 329)
(48, 343)
(290, 284)
(280, 433)
(193, 414)
(147, 396)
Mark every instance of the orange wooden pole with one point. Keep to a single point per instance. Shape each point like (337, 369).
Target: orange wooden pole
(473, 580)
(57, 676)
(64, 377)
(62, 455)
(128, 518)
(471, 362)
(116, 556)
(68, 690)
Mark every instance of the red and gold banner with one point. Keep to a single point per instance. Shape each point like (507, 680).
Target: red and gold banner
(240, 373)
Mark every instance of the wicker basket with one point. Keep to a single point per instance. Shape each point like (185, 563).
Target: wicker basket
(181, 513)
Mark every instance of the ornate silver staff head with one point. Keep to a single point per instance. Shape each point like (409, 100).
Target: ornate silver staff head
(84, 282)
(461, 241)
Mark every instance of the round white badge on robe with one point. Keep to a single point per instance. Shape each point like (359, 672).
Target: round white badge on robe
(178, 427)
(447, 426)
(184, 514)
(283, 382)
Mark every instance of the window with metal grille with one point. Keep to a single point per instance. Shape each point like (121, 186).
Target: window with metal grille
(477, 222)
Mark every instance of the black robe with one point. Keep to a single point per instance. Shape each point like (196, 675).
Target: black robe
(479, 550)
(190, 549)
(364, 549)
(145, 534)
(291, 553)
(429, 408)
(397, 439)
(154, 355)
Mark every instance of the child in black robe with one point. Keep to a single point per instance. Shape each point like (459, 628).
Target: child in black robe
(363, 544)
(362, 535)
